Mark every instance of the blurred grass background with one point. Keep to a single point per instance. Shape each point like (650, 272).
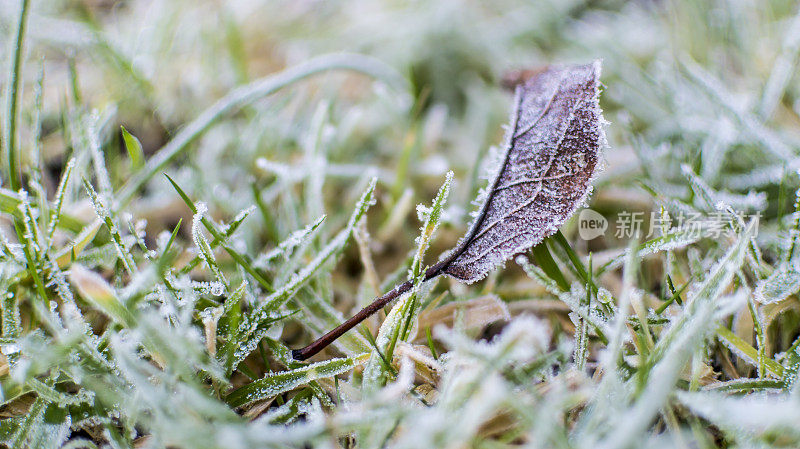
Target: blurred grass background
(703, 105)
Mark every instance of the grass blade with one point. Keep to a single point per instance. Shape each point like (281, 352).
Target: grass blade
(274, 384)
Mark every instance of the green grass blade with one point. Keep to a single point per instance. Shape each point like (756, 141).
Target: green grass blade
(134, 149)
(274, 384)
(10, 128)
(541, 253)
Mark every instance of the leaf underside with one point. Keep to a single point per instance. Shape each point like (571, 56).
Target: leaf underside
(551, 156)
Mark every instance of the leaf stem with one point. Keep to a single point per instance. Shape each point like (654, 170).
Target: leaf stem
(379, 303)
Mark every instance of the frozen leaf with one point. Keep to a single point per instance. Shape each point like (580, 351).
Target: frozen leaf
(552, 154)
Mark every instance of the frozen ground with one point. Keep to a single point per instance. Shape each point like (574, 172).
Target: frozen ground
(305, 143)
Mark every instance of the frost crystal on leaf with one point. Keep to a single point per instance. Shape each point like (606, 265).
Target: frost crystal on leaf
(551, 156)
(781, 284)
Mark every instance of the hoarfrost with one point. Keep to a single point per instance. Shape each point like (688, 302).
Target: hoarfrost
(551, 157)
(782, 283)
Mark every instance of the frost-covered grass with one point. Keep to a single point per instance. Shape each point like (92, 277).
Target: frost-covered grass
(144, 310)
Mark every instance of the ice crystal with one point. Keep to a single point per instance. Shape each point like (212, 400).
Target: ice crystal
(552, 153)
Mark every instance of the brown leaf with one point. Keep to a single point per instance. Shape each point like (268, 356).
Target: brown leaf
(551, 156)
